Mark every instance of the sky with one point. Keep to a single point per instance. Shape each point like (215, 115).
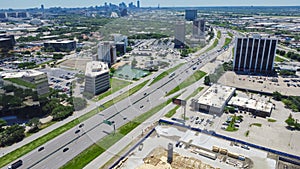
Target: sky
(22, 4)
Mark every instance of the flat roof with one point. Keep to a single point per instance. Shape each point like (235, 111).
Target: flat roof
(251, 104)
(216, 95)
(95, 68)
(60, 41)
(27, 73)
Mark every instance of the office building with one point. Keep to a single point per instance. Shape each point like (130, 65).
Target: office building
(213, 100)
(29, 79)
(190, 15)
(256, 107)
(179, 34)
(121, 42)
(60, 45)
(7, 42)
(138, 4)
(107, 53)
(199, 28)
(96, 77)
(254, 54)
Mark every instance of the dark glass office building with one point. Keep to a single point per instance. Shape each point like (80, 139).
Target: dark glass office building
(254, 55)
(190, 14)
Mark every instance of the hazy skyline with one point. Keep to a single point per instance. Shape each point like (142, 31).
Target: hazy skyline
(18, 4)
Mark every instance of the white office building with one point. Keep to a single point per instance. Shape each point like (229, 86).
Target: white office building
(96, 77)
(214, 100)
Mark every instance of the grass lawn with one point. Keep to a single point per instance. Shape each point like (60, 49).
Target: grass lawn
(212, 46)
(165, 73)
(173, 111)
(256, 124)
(227, 41)
(272, 120)
(116, 84)
(97, 149)
(190, 80)
(40, 141)
(279, 59)
(231, 128)
(230, 34)
(219, 34)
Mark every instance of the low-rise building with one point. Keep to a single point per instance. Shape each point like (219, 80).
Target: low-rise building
(96, 77)
(29, 79)
(213, 100)
(60, 45)
(259, 108)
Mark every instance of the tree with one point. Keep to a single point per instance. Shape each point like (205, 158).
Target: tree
(207, 80)
(290, 121)
(2, 123)
(79, 103)
(34, 125)
(277, 96)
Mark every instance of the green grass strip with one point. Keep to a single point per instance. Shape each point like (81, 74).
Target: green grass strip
(256, 124)
(42, 140)
(173, 111)
(86, 156)
(230, 34)
(187, 82)
(116, 84)
(212, 46)
(219, 34)
(227, 41)
(165, 73)
(279, 59)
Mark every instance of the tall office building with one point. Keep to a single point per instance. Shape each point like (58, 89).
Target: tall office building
(199, 28)
(179, 34)
(96, 77)
(107, 53)
(138, 4)
(190, 15)
(254, 54)
(7, 42)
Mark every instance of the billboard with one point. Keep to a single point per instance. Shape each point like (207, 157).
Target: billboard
(179, 102)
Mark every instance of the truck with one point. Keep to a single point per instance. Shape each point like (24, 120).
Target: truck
(16, 164)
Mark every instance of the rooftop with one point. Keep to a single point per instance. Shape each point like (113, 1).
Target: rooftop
(251, 104)
(27, 73)
(216, 95)
(60, 41)
(95, 68)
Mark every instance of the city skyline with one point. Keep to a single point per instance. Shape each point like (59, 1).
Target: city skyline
(15, 4)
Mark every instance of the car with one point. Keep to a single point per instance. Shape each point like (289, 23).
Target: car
(145, 94)
(65, 149)
(141, 106)
(245, 147)
(81, 125)
(41, 148)
(77, 131)
(197, 118)
(177, 144)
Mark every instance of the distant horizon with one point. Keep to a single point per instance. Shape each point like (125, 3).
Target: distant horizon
(29, 4)
(159, 7)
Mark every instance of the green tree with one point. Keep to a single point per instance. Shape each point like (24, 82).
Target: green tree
(277, 96)
(79, 103)
(207, 80)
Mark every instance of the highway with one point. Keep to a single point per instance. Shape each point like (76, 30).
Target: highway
(65, 147)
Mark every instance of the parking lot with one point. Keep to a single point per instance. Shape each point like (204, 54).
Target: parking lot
(251, 128)
(60, 79)
(286, 86)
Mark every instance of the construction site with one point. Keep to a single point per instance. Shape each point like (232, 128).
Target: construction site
(178, 147)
